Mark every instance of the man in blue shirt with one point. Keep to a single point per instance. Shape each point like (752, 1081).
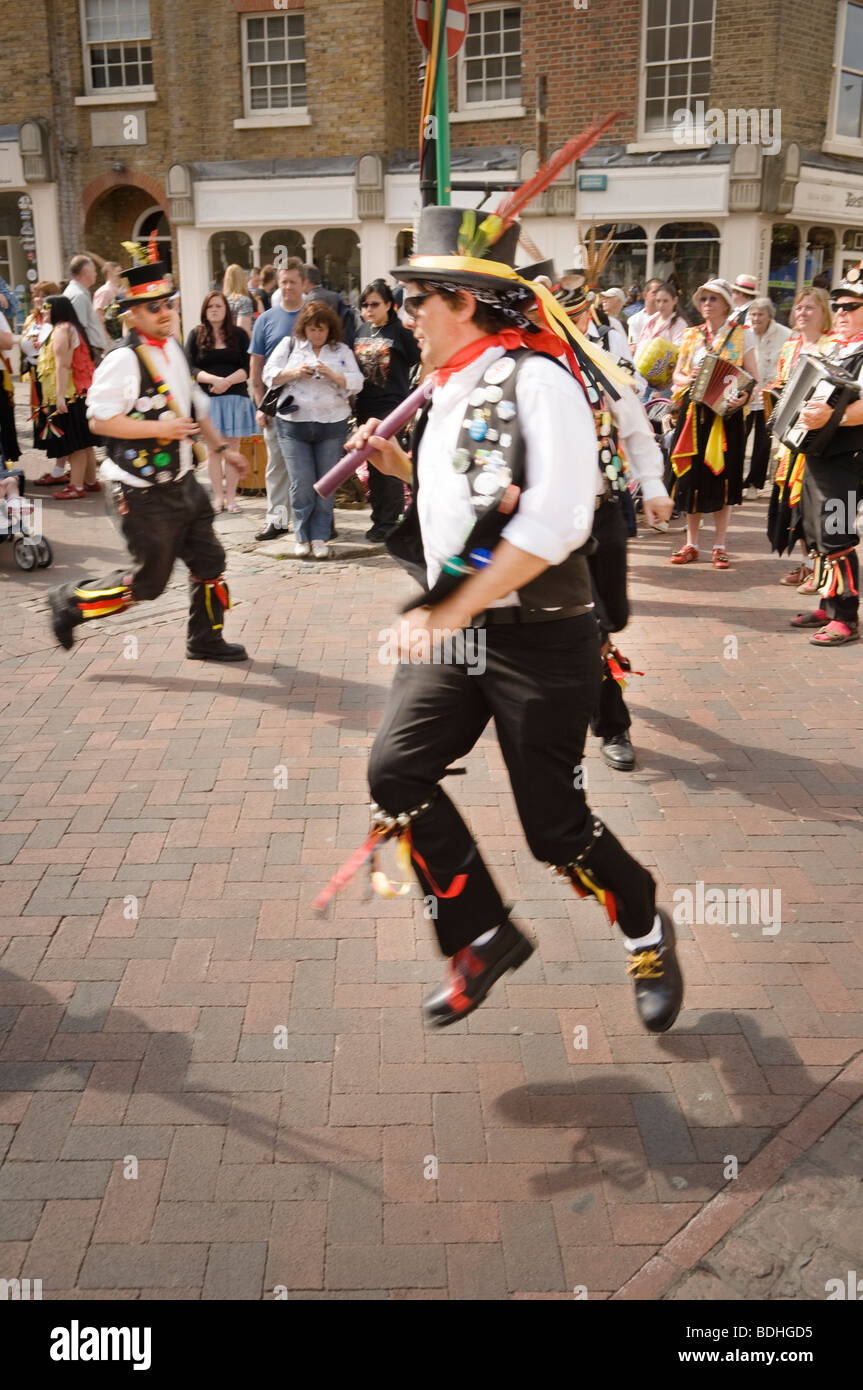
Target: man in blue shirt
(269, 330)
(9, 303)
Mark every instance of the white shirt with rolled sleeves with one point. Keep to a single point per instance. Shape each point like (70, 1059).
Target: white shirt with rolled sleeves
(116, 386)
(643, 454)
(562, 477)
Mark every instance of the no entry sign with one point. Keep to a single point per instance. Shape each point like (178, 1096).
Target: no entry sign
(456, 24)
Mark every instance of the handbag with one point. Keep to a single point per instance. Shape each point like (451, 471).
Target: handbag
(270, 404)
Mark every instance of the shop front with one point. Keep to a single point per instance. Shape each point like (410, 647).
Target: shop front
(29, 232)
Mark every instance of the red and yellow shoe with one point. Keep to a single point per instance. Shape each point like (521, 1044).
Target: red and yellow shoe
(473, 971)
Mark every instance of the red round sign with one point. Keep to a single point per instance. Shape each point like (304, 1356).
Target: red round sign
(456, 24)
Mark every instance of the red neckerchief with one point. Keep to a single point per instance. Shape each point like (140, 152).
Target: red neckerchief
(160, 343)
(856, 338)
(509, 338)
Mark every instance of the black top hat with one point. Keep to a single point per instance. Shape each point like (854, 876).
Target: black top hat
(437, 236)
(143, 284)
(546, 268)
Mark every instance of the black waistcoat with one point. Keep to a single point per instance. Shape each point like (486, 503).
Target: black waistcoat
(152, 460)
(495, 465)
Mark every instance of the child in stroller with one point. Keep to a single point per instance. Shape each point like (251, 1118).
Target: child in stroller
(19, 522)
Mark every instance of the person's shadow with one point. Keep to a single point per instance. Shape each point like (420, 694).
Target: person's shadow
(163, 1072)
(663, 1140)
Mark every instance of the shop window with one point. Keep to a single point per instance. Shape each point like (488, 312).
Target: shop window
(274, 63)
(404, 245)
(820, 255)
(278, 245)
(784, 257)
(687, 253)
(336, 253)
(678, 47)
(118, 56)
(849, 94)
(627, 264)
(490, 62)
(228, 248)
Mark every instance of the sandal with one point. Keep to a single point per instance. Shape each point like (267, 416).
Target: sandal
(795, 577)
(685, 555)
(70, 494)
(720, 558)
(48, 480)
(808, 585)
(835, 634)
(234, 507)
(816, 619)
(92, 487)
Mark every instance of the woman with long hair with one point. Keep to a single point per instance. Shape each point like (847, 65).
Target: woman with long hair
(387, 354)
(218, 353)
(812, 322)
(656, 349)
(320, 374)
(236, 290)
(707, 449)
(65, 369)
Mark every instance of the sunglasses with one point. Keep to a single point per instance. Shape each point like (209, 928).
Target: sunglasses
(155, 306)
(413, 302)
(847, 306)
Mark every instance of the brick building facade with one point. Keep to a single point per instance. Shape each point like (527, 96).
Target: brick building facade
(229, 129)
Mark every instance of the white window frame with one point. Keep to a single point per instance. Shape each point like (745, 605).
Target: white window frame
(662, 137)
(835, 143)
(283, 115)
(507, 108)
(109, 95)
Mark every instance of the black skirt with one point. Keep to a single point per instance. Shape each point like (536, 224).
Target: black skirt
(66, 433)
(784, 523)
(699, 489)
(8, 435)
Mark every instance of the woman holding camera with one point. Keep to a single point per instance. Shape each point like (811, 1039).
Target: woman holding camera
(319, 375)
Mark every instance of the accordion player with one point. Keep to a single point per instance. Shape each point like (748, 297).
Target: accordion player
(815, 382)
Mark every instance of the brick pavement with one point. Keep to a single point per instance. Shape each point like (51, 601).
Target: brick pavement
(164, 830)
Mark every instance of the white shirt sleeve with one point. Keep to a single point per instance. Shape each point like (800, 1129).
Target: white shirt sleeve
(556, 507)
(353, 376)
(277, 361)
(639, 441)
(114, 388)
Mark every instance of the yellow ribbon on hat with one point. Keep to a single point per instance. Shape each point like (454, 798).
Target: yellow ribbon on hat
(558, 320)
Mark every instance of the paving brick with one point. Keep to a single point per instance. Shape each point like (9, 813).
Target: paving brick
(296, 1245)
(476, 1272)
(235, 1271)
(128, 1207)
(193, 1165)
(459, 1134)
(402, 1266)
(60, 1243)
(155, 1266)
(42, 1131)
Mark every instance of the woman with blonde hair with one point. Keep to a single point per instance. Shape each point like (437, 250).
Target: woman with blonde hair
(812, 322)
(236, 290)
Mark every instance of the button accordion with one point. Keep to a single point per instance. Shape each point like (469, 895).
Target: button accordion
(718, 381)
(812, 380)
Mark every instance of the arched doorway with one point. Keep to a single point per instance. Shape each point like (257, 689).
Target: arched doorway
(337, 255)
(119, 214)
(153, 228)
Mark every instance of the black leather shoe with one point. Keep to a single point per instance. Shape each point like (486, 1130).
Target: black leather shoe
(64, 620)
(618, 752)
(271, 533)
(473, 971)
(222, 651)
(658, 981)
(377, 534)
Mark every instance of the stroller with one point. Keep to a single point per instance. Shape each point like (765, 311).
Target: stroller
(19, 524)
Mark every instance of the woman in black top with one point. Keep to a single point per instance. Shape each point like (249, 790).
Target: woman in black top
(387, 354)
(218, 353)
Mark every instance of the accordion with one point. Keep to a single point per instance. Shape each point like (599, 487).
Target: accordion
(812, 380)
(717, 382)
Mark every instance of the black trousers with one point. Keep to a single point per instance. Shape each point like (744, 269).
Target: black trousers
(540, 684)
(832, 492)
(611, 600)
(760, 456)
(164, 524)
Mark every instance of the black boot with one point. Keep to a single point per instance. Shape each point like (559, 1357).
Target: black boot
(209, 598)
(618, 752)
(73, 604)
(658, 981)
(473, 971)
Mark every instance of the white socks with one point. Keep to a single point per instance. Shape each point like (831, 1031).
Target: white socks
(643, 943)
(486, 937)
